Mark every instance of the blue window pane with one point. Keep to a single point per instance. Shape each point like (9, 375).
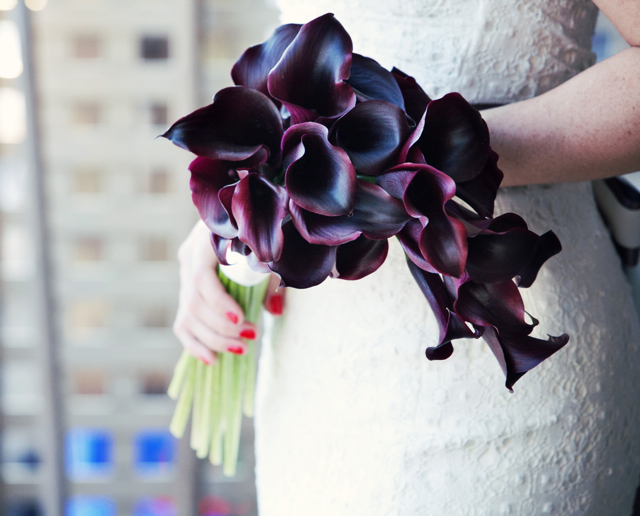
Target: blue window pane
(90, 506)
(161, 506)
(88, 453)
(154, 452)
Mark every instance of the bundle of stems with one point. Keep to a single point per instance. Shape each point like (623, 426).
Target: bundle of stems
(218, 394)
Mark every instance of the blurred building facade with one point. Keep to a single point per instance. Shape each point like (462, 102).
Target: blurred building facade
(110, 75)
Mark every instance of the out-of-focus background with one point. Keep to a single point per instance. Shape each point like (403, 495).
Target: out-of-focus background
(92, 211)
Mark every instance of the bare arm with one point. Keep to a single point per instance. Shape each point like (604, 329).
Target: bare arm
(587, 128)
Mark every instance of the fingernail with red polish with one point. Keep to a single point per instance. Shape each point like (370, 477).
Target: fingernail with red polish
(248, 334)
(275, 305)
(236, 350)
(205, 361)
(232, 317)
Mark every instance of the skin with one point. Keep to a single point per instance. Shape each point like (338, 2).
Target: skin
(587, 128)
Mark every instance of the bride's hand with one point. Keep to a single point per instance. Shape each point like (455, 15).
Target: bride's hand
(209, 320)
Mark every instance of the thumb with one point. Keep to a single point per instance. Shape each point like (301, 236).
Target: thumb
(274, 301)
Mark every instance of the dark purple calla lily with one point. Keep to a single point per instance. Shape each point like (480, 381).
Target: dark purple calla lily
(376, 215)
(371, 81)
(548, 245)
(455, 139)
(372, 134)
(208, 177)
(253, 67)
(301, 264)
(493, 304)
(425, 191)
(220, 247)
(361, 257)
(309, 78)
(259, 208)
(240, 123)
(441, 302)
(415, 99)
(500, 252)
(480, 192)
(320, 178)
(409, 238)
(518, 355)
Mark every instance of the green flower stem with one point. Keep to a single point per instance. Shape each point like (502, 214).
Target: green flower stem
(204, 439)
(215, 453)
(218, 394)
(179, 374)
(198, 395)
(181, 414)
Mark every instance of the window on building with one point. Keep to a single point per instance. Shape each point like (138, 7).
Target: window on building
(86, 46)
(87, 249)
(86, 316)
(90, 506)
(86, 113)
(19, 448)
(23, 507)
(158, 113)
(88, 453)
(86, 181)
(89, 382)
(156, 317)
(154, 47)
(155, 383)
(211, 505)
(154, 452)
(154, 249)
(157, 181)
(159, 506)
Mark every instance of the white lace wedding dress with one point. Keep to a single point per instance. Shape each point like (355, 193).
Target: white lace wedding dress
(351, 417)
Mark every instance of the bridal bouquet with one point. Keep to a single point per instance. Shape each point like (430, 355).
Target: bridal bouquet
(319, 155)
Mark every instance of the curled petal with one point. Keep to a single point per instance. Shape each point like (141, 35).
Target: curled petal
(425, 191)
(220, 247)
(455, 139)
(311, 73)
(480, 192)
(376, 215)
(361, 257)
(322, 179)
(493, 304)
(301, 264)
(208, 177)
(518, 355)
(240, 123)
(409, 238)
(450, 324)
(371, 81)
(372, 134)
(415, 99)
(253, 67)
(547, 246)
(495, 257)
(259, 208)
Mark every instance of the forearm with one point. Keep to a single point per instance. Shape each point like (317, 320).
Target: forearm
(587, 128)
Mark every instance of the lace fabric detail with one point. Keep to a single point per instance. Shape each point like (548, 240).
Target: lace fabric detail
(490, 51)
(351, 419)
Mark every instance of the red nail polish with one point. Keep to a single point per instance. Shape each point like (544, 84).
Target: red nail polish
(276, 305)
(205, 361)
(236, 350)
(232, 317)
(248, 334)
